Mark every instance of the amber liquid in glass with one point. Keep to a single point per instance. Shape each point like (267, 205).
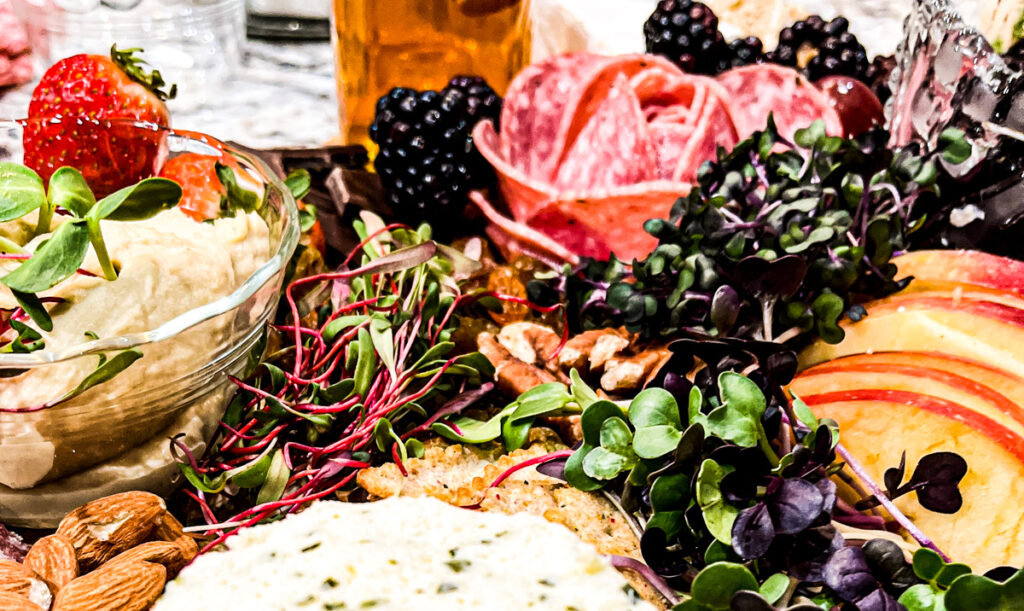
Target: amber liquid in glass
(380, 44)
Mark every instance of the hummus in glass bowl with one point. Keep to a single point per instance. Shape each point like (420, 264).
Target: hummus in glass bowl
(193, 297)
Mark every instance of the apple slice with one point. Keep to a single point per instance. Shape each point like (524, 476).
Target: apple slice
(945, 268)
(865, 372)
(995, 378)
(985, 331)
(877, 426)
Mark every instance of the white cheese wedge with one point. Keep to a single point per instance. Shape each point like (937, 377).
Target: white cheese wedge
(402, 553)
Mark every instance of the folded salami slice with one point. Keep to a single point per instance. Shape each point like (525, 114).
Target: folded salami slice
(613, 149)
(532, 132)
(591, 147)
(523, 195)
(757, 90)
(616, 216)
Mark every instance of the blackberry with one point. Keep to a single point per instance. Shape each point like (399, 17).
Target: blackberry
(482, 101)
(745, 51)
(686, 33)
(427, 162)
(877, 76)
(833, 50)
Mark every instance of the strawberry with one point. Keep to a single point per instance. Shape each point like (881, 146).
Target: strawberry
(201, 190)
(86, 90)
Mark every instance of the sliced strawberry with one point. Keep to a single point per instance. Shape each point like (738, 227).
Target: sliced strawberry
(202, 191)
(86, 90)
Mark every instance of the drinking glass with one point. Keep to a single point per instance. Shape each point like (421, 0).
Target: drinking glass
(380, 44)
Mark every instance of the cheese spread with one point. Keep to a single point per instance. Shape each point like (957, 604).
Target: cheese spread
(402, 553)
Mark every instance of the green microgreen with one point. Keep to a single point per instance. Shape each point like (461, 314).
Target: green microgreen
(770, 243)
(62, 253)
(365, 364)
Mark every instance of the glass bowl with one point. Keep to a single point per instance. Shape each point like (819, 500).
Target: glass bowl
(115, 436)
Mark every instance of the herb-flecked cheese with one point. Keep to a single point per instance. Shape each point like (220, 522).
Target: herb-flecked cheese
(402, 553)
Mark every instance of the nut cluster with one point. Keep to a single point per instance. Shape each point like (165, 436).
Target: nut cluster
(522, 356)
(111, 554)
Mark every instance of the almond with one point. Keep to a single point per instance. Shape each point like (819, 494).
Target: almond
(118, 586)
(22, 581)
(53, 559)
(167, 553)
(104, 528)
(13, 602)
(170, 529)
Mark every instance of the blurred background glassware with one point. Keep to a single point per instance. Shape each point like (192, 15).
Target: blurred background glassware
(197, 44)
(380, 44)
(114, 437)
(289, 20)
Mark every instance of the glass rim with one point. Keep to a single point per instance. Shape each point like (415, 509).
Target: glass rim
(194, 317)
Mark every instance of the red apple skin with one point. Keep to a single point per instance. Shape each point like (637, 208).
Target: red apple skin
(857, 106)
(838, 375)
(961, 267)
(998, 433)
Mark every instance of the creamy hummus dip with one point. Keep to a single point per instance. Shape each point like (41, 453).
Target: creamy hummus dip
(399, 554)
(168, 265)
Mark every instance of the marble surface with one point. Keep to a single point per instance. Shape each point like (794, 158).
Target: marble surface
(284, 94)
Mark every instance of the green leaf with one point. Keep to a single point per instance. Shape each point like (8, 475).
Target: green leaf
(515, 432)
(55, 260)
(669, 522)
(436, 352)
(741, 394)
(298, 183)
(237, 198)
(21, 191)
(69, 190)
(604, 464)
(715, 585)
(202, 482)
(774, 587)
(949, 573)
(366, 362)
(383, 342)
(139, 201)
(582, 394)
(922, 597)
(254, 474)
(718, 552)
(977, 593)
(34, 308)
(654, 407)
(694, 408)
(656, 441)
(827, 308)
(336, 393)
(804, 414)
(540, 400)
(594, 416)
(616, 436)
(670, 492)
(105, 372)
(954, 145)
(574, 473)
(276, 480)
(734, 425)
(414, 447)
(718, 514)
(809, 136)
(472, 430)
(339, 324)
(927, 564)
